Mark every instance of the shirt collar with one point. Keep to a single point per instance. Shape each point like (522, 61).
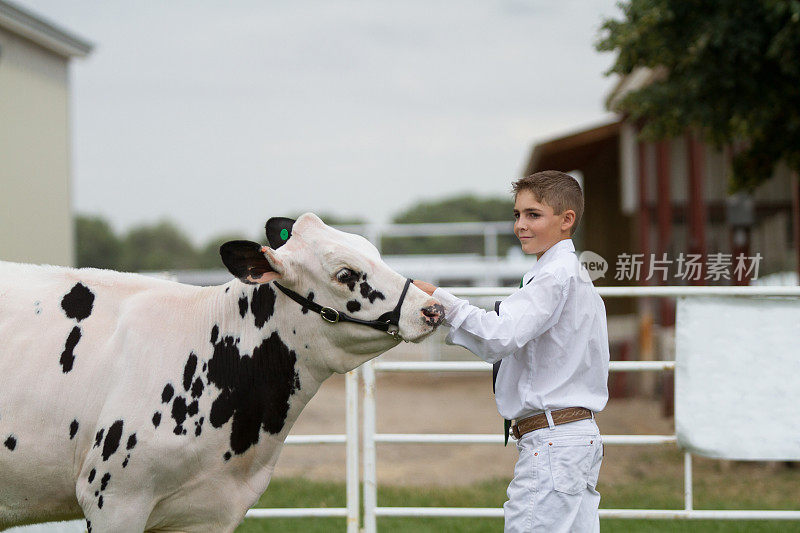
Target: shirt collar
(559, 248)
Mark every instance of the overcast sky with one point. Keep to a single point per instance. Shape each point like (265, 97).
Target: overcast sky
(219, 115)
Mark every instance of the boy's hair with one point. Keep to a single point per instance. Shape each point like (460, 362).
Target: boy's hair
(556, 189)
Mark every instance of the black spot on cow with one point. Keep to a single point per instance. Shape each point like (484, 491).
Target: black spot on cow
(351, 286)
(198, 426)
(263, 304)
(306, 346)
(353, 306)
(243, 306)
(112, 439)
(156, 419)
(104, 481)
(192, 408)
(227, 289)
(131, 442)
(91, 475)
(100, 502)
(11, 442)
(98, 438)
(197, 388)
(88, 526)
(73, 429)
(125, 462)
(294, 331)
(310, 298)
(68, 356)
(364, 277)
(179, 414)
(78, 302)
(214, 334)
(254, 390)
(188, 371)
(204, 367)
(227, 456)
(371, 294)
(166, 394)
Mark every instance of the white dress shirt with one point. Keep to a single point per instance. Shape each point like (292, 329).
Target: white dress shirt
(551, 335)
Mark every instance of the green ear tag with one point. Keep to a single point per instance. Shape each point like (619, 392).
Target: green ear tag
(284, 234)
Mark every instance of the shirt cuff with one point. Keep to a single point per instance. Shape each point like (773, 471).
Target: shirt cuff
(449, 302)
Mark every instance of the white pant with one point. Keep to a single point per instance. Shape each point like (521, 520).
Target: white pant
(553, 490)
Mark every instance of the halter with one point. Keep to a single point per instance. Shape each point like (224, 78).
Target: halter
(388, 322)
(278, 230)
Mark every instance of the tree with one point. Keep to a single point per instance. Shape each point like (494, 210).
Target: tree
(731, 72)
(96, 243)
(208, 257)
(161, 246)
(464, 208)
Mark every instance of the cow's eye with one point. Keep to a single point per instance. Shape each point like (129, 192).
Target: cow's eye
(347, 275)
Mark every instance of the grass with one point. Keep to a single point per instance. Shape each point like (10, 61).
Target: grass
(656, 483)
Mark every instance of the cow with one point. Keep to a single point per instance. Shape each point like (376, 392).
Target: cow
(143, 404)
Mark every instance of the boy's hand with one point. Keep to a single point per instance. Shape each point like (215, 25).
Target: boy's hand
(425, 286)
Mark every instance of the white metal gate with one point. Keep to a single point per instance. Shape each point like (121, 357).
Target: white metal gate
(371, 438)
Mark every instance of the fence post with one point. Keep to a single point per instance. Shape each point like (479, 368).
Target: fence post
(687, 481)
(370, 481)
(351, 389)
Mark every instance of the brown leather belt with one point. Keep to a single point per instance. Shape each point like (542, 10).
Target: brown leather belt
(560, 416)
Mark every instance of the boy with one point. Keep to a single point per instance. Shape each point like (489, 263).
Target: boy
(551, 341)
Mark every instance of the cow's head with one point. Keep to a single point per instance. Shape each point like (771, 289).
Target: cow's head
(342, 271)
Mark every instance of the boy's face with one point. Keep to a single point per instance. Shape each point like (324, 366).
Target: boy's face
(536, 226)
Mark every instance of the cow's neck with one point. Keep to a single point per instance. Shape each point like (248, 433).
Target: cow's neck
(261, 341)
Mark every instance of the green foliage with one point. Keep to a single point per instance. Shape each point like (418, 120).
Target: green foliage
(464, 208)
(97, 245)
(161, 246)
(208, 257)
(730, 69)
(164, 246)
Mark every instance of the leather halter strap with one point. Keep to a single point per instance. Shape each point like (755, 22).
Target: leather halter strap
(388, 322)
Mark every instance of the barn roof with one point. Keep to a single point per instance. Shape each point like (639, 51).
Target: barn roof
(569, 152)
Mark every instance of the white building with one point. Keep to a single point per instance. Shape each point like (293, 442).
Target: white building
(36, 223)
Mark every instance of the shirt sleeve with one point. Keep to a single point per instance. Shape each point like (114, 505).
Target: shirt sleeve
(524, 315)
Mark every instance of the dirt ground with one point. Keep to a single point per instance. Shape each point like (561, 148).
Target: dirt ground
(448, 403)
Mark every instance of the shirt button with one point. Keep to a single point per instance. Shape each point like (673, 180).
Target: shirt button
(551, 444)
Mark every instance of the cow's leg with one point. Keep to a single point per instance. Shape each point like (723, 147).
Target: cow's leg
(111, 512)
(124, 518)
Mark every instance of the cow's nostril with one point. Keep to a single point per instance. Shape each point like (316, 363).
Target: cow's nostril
(433, 314)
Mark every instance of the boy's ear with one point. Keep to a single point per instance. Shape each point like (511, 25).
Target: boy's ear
(250, 262)
(569, 221)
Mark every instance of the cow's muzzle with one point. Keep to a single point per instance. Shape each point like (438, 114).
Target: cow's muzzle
(433, 314)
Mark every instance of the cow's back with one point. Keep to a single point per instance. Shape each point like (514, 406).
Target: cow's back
(62, 356)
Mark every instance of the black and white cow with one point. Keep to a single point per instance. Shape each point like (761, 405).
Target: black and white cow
(144, 404)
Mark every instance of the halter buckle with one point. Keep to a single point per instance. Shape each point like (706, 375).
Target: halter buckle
(329, 314)
(393, 330)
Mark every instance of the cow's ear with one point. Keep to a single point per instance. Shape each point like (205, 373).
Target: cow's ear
(278, 230)
(249, 261)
